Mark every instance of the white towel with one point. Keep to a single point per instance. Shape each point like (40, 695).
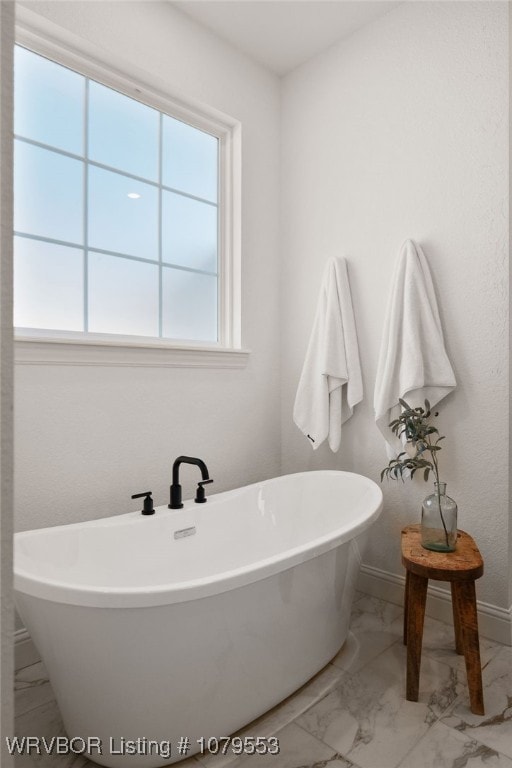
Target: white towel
(413, 364)
(330, 384)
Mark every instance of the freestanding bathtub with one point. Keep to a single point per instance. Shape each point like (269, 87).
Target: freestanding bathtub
(192, 623)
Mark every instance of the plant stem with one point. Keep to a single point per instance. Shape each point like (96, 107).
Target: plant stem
(436, 472)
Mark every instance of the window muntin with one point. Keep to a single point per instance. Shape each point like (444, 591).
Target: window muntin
(126, 190)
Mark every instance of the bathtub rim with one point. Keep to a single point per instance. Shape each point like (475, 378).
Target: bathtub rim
(167, 594)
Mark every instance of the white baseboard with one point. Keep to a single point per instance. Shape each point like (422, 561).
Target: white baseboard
(25, 652)
(493, 622)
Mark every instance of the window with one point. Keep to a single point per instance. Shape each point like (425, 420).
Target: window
(121, 214)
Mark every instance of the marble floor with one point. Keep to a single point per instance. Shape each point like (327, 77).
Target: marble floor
(353, 714)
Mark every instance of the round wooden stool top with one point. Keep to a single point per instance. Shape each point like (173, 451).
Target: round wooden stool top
(465, 564)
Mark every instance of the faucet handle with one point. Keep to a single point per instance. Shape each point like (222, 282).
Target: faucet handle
(148, 502)
(200, 493)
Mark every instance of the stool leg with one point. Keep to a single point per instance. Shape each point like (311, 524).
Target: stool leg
(466, 604)
(406, 605)
(417, 597)
(456, 622)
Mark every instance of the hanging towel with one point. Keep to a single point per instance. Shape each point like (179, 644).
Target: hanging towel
(330, 384)
(413, 364)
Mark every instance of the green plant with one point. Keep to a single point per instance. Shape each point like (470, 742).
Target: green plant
(421, 439)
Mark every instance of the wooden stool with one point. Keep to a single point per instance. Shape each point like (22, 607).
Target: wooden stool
(461, 568)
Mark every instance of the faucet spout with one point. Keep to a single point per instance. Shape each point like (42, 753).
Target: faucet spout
(188, 460)
(175, 501)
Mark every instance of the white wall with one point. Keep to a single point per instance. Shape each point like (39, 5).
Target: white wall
(510, 306)
(89, 437)
(402, 132)
(6, 383)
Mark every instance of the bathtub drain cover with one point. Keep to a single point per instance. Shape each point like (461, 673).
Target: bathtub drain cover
(185, 532)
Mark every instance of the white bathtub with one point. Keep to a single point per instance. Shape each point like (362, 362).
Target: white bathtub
(149, 637)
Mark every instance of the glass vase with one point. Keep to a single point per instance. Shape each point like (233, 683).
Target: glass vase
(439, 521)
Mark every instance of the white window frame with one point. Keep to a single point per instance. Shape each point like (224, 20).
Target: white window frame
(36, 346)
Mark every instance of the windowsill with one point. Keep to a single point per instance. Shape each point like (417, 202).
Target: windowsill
(56, 350)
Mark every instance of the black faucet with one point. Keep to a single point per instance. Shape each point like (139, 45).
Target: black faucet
(176, 487)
